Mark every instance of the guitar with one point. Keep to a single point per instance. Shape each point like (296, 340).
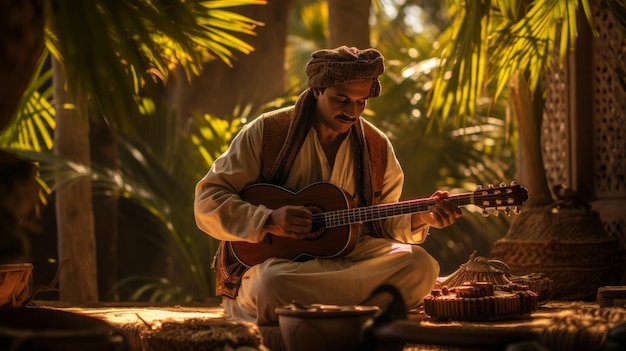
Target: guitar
(335, 218)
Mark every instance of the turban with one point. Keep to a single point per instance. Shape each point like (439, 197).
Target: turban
(329, 67)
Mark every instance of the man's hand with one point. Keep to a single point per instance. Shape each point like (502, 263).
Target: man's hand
(441, 215)
(290, 221)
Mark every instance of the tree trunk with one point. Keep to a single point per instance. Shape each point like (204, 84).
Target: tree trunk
(348, 23)
(75, 223)
(21, 45)
(531, 170)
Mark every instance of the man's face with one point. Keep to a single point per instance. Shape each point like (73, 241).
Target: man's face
(339, 106)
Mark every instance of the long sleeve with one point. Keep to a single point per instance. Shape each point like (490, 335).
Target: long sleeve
(218, 209)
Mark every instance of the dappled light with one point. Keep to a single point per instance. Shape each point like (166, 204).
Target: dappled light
(119, 109)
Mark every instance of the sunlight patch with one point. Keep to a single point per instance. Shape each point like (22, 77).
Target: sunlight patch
(398, 247)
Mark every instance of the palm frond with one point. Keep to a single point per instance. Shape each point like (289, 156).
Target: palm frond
(492, 40)
(142, 288)
(210, 136)
(435, 151)
(32, 126)
(460, 77)
(113, 50)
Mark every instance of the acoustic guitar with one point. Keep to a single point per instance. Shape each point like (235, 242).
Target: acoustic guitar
(335, 218)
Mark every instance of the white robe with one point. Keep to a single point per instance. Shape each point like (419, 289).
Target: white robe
(348, 280)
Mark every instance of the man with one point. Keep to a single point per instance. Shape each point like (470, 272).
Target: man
(322, 138)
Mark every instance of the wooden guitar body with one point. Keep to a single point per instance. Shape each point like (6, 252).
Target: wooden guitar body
(319, 198)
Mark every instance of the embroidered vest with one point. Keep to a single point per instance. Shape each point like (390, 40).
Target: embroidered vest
(228, 270)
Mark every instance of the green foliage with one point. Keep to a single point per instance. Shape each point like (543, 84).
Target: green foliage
(111, 51)
(212, 137)
(489, 41)
(308, 31)
(436, 153)
(156, 178)
(115, 56)
(152, 289)
(32, 126)
(159, 173)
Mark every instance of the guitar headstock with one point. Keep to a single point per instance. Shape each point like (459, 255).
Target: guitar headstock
(501, 197)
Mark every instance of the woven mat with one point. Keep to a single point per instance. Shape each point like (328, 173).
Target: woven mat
(177, 328)
(555, 326)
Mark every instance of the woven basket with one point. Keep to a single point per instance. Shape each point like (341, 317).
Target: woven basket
(570, 246)
(15, 283)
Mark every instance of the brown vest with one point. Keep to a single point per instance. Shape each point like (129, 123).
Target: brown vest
(228, 270)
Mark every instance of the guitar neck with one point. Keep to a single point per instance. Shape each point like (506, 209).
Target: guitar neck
(372, 213)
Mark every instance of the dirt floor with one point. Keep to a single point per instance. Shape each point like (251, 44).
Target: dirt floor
(555, 326)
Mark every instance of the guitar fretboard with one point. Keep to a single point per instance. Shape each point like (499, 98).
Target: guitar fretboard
(371, 213)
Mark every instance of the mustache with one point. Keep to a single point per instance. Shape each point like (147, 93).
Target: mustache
(346, 118)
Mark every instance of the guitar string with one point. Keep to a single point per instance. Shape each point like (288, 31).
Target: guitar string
(364, 214)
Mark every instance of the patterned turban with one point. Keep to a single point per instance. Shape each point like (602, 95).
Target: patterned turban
(329, 67)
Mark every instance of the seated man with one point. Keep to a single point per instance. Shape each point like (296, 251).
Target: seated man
(322, 138)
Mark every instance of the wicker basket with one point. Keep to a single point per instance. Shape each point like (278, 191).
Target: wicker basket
(15, 283)
(569, 246)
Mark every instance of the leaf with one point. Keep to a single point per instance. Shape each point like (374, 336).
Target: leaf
(32, 126)
(138, 41)
(519, 36)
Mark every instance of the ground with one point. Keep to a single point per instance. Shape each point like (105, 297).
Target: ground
(556, 326)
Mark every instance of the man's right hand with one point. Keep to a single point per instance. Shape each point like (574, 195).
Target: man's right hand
(290, 221)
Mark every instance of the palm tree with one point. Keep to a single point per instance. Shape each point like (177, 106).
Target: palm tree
(508, 47)
(249, 80)
(436, 153)
(115, 56)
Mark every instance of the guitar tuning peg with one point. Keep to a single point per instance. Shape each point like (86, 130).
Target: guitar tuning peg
(502, 185)
(513, 183)
(479, 187)
(507, 211)
(496, 212)
(517, 210)
(485, 213)
(490, 186)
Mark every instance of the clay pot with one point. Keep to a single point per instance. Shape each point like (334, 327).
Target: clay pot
(323, 327)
